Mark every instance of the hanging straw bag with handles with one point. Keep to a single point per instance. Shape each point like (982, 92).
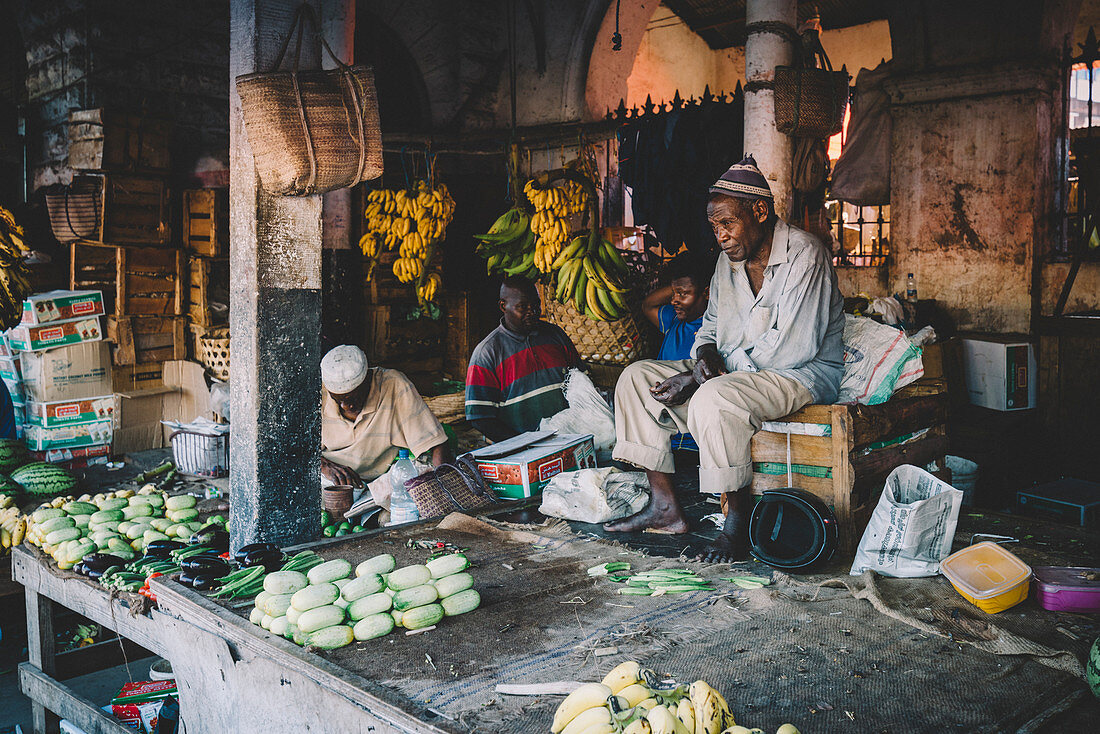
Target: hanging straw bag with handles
(74, 209)
(311, 131)
(810, 101)
(451, 488)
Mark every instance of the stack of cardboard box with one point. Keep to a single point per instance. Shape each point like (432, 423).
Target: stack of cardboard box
(69, 410)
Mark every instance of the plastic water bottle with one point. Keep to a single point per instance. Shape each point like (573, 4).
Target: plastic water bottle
(402, 507)
(911, 290)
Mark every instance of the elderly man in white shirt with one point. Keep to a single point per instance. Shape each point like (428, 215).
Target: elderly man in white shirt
(770, 343)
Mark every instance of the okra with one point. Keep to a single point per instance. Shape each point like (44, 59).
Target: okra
(233, 588)
(605, 568)
(636, 591)
(302, 562)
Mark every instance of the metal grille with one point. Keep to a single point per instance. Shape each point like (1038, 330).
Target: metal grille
(861, 234)
(1080, 169)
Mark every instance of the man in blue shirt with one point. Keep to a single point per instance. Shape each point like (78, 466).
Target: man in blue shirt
(677, 310)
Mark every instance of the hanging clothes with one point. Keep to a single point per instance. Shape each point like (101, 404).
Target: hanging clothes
(669, 159)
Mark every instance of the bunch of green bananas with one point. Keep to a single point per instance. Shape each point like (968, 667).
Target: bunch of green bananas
(509, 245)
(14, 276)
(589, 272)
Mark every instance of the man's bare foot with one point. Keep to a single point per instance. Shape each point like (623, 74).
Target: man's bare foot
(658, 516)
(725, 549)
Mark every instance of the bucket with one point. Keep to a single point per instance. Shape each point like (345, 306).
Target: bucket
(337, 500)
(161, 669)
(964, 475)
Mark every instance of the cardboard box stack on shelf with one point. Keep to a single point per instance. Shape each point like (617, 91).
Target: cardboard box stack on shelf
(70, 410)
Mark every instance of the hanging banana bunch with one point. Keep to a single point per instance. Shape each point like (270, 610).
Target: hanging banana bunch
(413, 222)
(554, 205)
(14, 276)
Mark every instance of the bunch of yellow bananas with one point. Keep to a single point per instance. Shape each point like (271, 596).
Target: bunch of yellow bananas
(550, 222)
(426, 292)
(14, 276)
(408, 269)
(13, 525)
(633, 700)
(411, 221)
(589, 273)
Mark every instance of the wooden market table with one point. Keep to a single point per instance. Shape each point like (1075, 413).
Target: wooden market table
(238, 677)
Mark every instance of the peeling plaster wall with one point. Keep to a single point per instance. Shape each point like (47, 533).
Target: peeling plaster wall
(964, 200)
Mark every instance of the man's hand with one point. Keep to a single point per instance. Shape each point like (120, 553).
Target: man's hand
(339, 474)
(710, 363)
(675, 390)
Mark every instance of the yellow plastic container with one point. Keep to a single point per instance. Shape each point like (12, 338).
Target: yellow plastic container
(988, 576)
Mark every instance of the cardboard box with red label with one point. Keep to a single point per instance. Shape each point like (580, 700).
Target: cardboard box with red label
(35, 337)
(42, 438)
(77, 458)
(521, 466)
(70, 412)
(45, 308)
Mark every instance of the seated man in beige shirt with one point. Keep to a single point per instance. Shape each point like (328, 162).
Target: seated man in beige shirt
(367, 414)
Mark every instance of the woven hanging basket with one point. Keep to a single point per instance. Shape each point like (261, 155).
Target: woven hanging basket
(615, 343)
(311, 131)
(214, 352)
(74, 209)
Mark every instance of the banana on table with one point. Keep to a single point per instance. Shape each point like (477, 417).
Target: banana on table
(634, 700)
(13, 525)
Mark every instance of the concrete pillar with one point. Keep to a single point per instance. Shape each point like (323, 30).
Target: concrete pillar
(274, 318)
(765, 48)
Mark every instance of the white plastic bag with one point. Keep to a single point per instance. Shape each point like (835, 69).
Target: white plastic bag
(595, 495)
(912, 526)
(878, 359)
(587, 412)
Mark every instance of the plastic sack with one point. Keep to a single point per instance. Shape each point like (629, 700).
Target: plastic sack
(912, 526)
(595, 495)
(878, 359)
(587, 412)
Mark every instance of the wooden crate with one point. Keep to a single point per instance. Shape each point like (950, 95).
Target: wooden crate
(133, 209)
(134, 280)
(206, 221)
(209, 283)
(142, 339)
(850, 465)
(108, 140)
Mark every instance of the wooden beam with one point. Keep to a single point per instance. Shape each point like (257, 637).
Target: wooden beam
(895, 418)
(98, 656)
(41, 655)
(67, 703)
(85, 597)
(376, 701)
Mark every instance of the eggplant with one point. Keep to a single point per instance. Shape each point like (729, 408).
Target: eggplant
(80, 569)
(205, 566)
(204, 583)
(271, 560)
(94, 575)
(244, 550)
(101, 561)
(163, 548)
(212, 535)
(187, 579)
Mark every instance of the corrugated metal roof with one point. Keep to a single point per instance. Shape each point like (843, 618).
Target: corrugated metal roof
(721, 23)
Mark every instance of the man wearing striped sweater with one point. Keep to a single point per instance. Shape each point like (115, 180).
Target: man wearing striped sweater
(516, 373)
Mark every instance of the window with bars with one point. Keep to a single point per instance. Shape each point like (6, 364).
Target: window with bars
(861, 234)
(1080, 166)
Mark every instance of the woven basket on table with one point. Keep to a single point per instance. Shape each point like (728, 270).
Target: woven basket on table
(607, 346)
(214, 352)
